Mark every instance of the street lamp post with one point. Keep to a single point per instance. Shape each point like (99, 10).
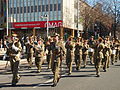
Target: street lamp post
(7, 16)
(78, 33)
(47, 17)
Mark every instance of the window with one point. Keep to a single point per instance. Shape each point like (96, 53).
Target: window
(28, 9)
(46, 7)
(59, 7)
(18, 9)
(39, 8)
(55, 8)
(35, 8)
(21, 9)
(11, 10)
(51, 6)
(32, 10)
(14, 11)
(24, 9)
(43, 8)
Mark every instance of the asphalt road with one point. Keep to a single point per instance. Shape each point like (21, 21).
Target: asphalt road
(85, 79)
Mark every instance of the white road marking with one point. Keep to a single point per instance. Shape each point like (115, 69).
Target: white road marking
(46, 82)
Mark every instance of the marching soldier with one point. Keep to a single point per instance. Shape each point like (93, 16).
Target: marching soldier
(106, 54)
(109, 50)
(91, 50)
(39, 53)
(49, 51)
(14, 49)
(113, 52)
(56, 62)
(78, 53)
(85, 53)
(98, 55)
(69, 53)
(117, 50)
(29, 46)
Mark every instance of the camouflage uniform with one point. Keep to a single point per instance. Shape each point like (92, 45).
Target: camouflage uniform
(56, 60)
(49, 53)
(78, 54)
(69, 54)
(39, 53)
(30, 51)
(98, 56)
(91, 50)
(14, 54)
(117, 51)
(106, 56)
(85, 53)
(113, 52)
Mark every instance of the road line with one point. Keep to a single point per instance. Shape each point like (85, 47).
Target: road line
(46, 82)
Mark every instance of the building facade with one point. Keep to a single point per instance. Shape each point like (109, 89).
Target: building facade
(26, 14)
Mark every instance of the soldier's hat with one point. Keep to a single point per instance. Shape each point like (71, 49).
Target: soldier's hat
(79, 37)
(14, 35)
(100, 39)
(71, 37)
(55, 34)
(85, 41)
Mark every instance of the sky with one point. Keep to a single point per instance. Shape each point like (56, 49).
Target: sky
(92, 2)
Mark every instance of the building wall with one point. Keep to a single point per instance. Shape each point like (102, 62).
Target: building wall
(31, 10)
(68, 13)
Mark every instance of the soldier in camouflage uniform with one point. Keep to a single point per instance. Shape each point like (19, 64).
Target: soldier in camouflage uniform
(106, 55)
(109, 50)
(49, 51)
(98, 55)
(56, 61)
(39, 53)
(91, 43)
(113, 51)
(69, 53)
(78, 53)
(117, 50)
(30, 51)
(14, 51)
(85, 53)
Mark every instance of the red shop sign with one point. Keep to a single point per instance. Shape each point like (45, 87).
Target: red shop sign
(41, 24)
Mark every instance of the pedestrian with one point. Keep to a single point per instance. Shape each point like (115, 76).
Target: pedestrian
(69, 53)
(39, 54)
(56, 62)
(98, 55)
(14, 51)
(78, 52)
(30, 51)
(85, 53)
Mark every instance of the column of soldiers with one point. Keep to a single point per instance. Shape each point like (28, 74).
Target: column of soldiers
(99, 52)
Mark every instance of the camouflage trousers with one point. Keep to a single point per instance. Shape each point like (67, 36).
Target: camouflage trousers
(69, 61)
(84, 57)
(30, 58)
(97, 62)
(14, 68)
(38, 62)
(49, 60)
(91, 55)
(105, 62)
(112, 59)
(56, 70)
(78, 61)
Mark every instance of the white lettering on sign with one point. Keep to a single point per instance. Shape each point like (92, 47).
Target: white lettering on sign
(53, 24)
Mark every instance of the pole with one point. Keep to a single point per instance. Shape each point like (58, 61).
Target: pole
(7, 16)
(47, 25)
(78, 33)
